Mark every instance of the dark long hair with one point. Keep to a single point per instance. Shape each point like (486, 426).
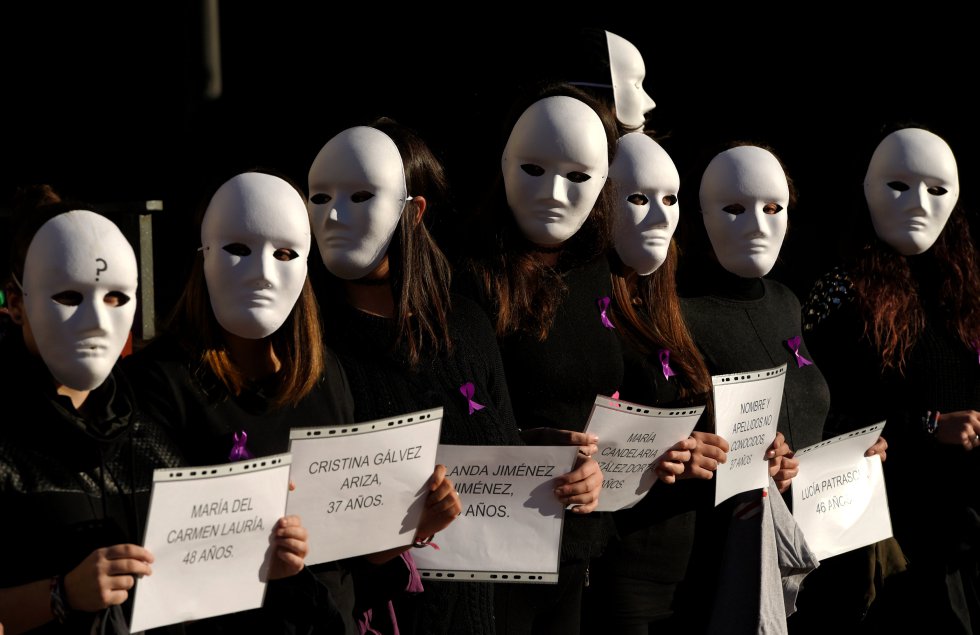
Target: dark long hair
(298, 343)
(420, 273)
(525, 292)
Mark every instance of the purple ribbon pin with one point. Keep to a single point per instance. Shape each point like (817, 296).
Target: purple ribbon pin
(467, 390)
(238, 450)
(794, 345)
(603, 305)
(664, 355)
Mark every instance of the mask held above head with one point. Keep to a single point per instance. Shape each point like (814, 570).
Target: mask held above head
(357, 197)
(744, 195)
(911, 188)
(256, 240)
(80, 280)
(628, 72)
(646, 183)
(554, 166)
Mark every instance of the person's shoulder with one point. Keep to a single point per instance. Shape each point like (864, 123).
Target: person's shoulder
(829, 294)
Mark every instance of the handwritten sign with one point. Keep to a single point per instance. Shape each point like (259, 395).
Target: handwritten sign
(746, 414)
(510, 528)
(210, 531)
(632, 440)
(361, 488)
(839, 498)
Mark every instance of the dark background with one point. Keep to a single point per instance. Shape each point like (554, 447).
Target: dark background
(107, 104)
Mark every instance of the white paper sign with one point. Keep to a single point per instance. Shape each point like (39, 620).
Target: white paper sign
(510, 528)
(839, 498)
(361, 488)
(633, 438)
(746, 415)
(210, 532)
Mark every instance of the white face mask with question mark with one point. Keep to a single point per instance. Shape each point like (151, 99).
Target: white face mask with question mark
(80, 279)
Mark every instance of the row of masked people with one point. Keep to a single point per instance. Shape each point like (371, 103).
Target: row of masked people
(563, 289)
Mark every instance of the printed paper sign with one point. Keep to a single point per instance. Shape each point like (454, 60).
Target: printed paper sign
(510, 527)
(361, 488)
(210, 532)
(632, 440)
(746, 415)
(839, 498)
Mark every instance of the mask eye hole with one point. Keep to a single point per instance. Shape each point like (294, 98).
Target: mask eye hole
(937, 190)
(284, 255)
(115, 299)
(669, 200)
(532, 169)
(320, 198)
(734, 209)
(68, 298)
(360, 197)
(237, 249)
(772, 208)
(898, 186)
(577, 177)
(638, 199)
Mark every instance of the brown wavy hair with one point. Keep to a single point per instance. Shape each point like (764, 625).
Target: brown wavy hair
(890, 302)
(524, 292)
(298, 343)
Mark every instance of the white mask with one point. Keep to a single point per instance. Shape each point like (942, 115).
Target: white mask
(628, 72)
(646, 184)
(911, 187)
(554, 165)
(80, 280)
(744, 196)
(357, 195)
(256, 240)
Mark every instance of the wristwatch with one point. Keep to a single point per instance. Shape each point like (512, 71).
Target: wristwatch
(930, 421)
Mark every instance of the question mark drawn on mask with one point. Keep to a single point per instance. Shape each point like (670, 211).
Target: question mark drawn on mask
(99, 270)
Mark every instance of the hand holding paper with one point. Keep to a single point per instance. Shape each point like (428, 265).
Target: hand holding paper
(709, 452)
(878, 449)
(674, 461)
(782, 466)
(104, 578)
(581, 486)
(442, 505)
(291, 546)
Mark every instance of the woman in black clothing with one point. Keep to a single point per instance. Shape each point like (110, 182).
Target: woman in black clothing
(76, 454)
(243, 362)
(638, 581)
(539, 270)
(896, 331)
(405, 342)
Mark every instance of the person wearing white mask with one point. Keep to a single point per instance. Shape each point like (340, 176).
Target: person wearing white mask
(405, 341)
(240, 362)
(896, 329)
(636, 584)
(76, 454)
(742, 321)
(538, 268)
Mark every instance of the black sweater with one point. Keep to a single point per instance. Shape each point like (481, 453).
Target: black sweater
(554, 383)
(201, 413)
(384, 384)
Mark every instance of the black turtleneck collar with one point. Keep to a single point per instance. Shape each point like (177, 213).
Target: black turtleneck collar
(718, 281)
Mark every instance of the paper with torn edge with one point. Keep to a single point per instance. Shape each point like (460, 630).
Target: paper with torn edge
(360, 488)
(511, 524)
(632, 440)
(210, 532)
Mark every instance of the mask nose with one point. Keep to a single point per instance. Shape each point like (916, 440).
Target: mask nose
(920, 200)
(92, 317)
(657, 216)
(756, 225)
(559, 189)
